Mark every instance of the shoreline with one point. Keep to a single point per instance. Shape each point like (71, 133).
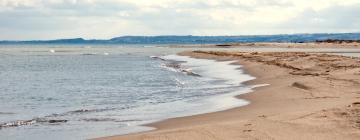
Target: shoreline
(276, 111)
(314, 45)
(164, 124)
(233, 95)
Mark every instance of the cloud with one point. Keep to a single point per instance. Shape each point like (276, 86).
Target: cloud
(337, 18)
(50, 19)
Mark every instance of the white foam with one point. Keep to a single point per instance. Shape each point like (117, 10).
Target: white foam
(207, 69)
(232, 75)
(223, 70)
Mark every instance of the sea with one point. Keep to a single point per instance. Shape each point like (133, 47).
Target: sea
(81, 92)
(76, 92)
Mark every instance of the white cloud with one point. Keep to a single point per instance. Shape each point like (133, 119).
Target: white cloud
(49, 19)
(337, 18)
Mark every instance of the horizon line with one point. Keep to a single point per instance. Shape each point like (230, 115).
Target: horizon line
(90, 39)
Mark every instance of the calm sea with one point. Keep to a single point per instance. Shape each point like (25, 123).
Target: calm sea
(81, 92)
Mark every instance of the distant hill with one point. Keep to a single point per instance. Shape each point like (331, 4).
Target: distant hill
(299, 38)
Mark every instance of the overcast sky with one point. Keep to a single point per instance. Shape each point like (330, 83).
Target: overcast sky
(104, 19)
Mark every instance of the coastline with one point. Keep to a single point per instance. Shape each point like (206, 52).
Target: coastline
(271, 113)
(315, 45)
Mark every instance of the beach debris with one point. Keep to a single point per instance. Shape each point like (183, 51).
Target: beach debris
(80, 110)
(259, 85)
(223, 45)
(52, 51)
(173, 65)
(89, 54)
(307, 73)
(322, 97)
(351, 114)
(248, 130)
(189, 72)
(248, 124)
(308, 65)
(157, 57)
(355, 104)
(177, 66)
(57, 121)
(300, 86)
(337, 41)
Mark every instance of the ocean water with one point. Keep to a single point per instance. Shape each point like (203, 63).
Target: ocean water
(85, 92)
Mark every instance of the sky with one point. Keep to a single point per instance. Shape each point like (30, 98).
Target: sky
(104, 19)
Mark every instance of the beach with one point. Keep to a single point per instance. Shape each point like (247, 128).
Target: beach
(308, 45)
(179, 70)
(308, 96)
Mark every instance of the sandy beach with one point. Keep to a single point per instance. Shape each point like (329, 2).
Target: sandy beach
(349, 45)
(310, 96)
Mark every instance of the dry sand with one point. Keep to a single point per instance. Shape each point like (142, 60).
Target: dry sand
(274, 45)
(310, 96)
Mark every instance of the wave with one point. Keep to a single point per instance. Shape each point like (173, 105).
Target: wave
(175, 65)
(6, 113)
(30, 122)
(54, 118)
(224, 70)
(89, 54)
(108, 120)
(105, 53)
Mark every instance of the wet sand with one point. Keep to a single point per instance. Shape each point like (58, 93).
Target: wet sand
(310, 96)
